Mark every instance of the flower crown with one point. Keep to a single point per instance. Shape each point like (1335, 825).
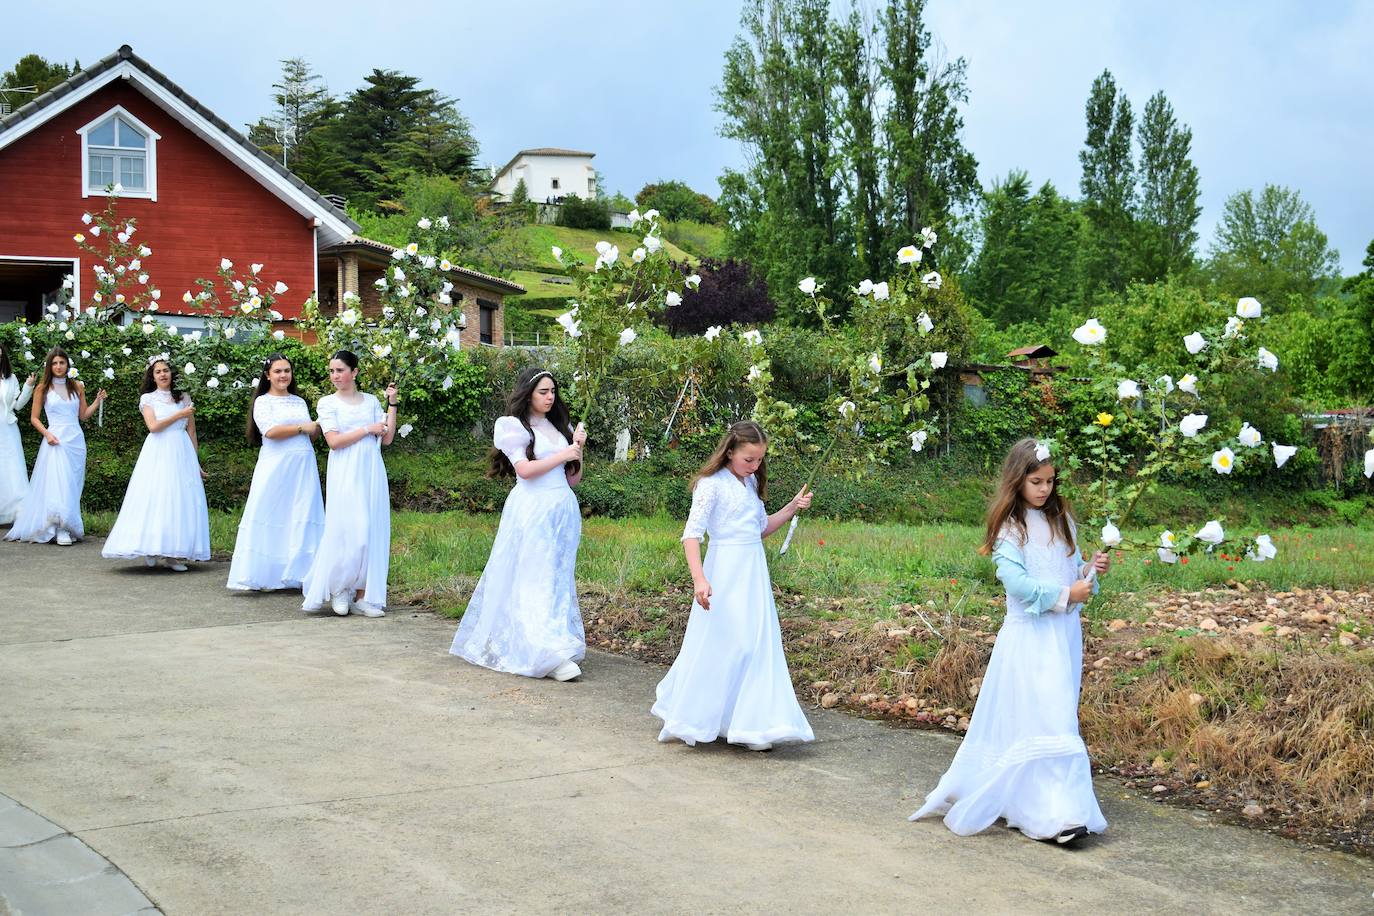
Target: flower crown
(159, 358)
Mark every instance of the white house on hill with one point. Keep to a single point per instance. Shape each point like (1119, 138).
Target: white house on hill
(549, 174)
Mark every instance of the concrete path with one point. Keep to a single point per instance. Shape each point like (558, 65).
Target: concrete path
(230, 755)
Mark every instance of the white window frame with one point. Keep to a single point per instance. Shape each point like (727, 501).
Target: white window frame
(149, 191)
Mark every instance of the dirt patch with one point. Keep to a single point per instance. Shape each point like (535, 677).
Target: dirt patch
(1257, 706)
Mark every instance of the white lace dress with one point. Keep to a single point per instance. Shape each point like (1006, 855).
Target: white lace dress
(59, 474)
(1023, 759)
(164, 512)
(283, 519)
(14, 474)
(524, 617)
(355, 547)
(730, 679)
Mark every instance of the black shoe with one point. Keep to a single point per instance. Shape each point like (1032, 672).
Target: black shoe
(1070, 835)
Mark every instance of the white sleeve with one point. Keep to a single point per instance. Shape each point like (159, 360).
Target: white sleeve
(145, 400)
(511, 438)
(704, 498)
(264, 417)
(24, 394)
(328, 414)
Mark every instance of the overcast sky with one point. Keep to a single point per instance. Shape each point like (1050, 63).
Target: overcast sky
(1274, 92)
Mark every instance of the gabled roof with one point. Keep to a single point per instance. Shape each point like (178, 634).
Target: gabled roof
(1033, 351)
(539, 151)
(383, 251)
(204, 123)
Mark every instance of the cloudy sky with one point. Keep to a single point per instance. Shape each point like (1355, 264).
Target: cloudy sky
(1275, 92)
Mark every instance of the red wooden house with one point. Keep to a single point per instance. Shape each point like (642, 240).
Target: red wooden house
(200, 190)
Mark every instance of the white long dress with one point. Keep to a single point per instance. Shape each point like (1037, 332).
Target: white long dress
(14, 474)
(355, 547)
(1023, 759)
(730, 679)
(524, 617)
(164, 512)
(283, 519)
(59, 474)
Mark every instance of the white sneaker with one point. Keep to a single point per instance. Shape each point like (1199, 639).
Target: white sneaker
(176, 566)
(150, 561)
(340, 604)
(366, 609)
(64, 538)
(765, 746)
(566, 671)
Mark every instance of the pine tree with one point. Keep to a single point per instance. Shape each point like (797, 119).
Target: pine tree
(1108, 185)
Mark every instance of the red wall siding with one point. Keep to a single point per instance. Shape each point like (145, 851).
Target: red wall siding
(206, 208)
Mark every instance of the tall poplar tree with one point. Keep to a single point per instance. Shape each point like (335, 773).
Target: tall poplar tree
(1108, 186)
(1169, 207)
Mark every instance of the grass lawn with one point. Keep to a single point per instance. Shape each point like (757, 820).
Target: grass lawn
(541, 239)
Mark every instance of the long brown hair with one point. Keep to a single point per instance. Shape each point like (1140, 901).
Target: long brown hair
(518, 406)
(53, 354)
(5, 370)
(263, 386)
(1009, 508)
(745, 432)
(149, 384)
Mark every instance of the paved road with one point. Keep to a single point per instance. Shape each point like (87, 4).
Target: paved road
(230, 755)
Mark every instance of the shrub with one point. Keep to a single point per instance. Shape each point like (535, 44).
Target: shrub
(576, 213)
(730, 293)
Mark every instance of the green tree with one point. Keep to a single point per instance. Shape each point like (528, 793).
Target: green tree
(930, 174)
(1268, 246)
(32, 72)
(1108, 185)
(860, 84)
(297, 132)
(391, 129)
(521, 194)
(1169, 207)
(674, 200)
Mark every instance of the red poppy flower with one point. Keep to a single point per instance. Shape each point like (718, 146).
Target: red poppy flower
(1183, 560)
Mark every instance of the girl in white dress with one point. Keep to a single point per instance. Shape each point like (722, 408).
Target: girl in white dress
(52, 510)
(284, 517)
(14, 475)
(350, 567)
(164, 518)
(730, 679)
(524, 617)
(1022, 759)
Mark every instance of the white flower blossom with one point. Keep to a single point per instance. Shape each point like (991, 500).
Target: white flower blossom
(212, 382)
(1111, 535)
(875, 363)
(1267, 360)
(1223, 460)
(1211, 533)
(928, 237)
(634, 216)
(713, 332)
(226, 264)
(865, 287)
(349, 317)
(1042, 451)
(1282, 453)
(651, 214)
(1249, 436)
(938, 360)
(380, 282)
(1165, 383)
(403, 292)
(95, 231)
(571, 326)
(924, 323)
(381, 351)
(126, 351)
(607, 257)
(653, 243)
(1195, 343)
(1189, 384)
(638, 255)
(428, 261)
(144, 251)
(847, 409)
(412, 249)
(1167, 543)
(1192, 424)
(398, 254)
(627, 336)
(880, 292)
(1263, 549)
(918, 439)
(189, 368)
(1248, 307)
(753, 338)
(109, 373)
(808, 286)
(754, 373)
(278, 335)
(933, 280)
(254, 269)
(405, 430)
(280, 288)
(557, 254)
(1232, 329)
(1127, 390)
(148, 329)
(1090, 333)
(446, 265)
(156, 294)
(909, 254)
(693, 281)
(419, 309)
(672, 299)
(86, 218)
(424, 222)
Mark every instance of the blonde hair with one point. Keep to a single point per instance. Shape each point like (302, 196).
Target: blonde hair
(1008, 506)
(745, 432)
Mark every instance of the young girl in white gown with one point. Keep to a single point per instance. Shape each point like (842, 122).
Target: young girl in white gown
(284, 517)
(523, 617)
(350, 567)
(1022, 759)
(52, 510)
(730, 679)
(14, 475)
(164, 518)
